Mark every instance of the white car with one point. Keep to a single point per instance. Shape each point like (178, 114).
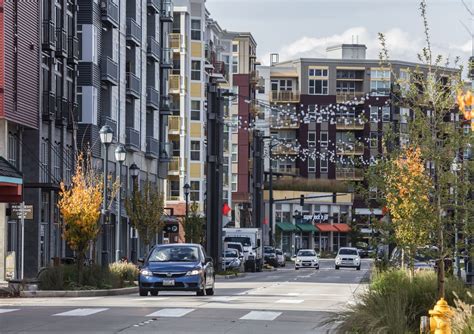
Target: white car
(348, 257)
(306, 258)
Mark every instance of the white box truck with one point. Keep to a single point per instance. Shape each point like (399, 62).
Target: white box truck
(251, 240)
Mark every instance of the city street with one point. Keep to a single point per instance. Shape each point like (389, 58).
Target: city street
(269, 302)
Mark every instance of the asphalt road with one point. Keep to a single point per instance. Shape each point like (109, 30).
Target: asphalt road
(280, 301)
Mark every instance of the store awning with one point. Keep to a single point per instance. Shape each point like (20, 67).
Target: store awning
(11, 181)
(286, 227)
(306, 228)
(326, 228)
(343, 228)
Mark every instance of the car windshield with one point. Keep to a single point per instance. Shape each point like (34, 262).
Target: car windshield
(174, 254)
(269, 250)
(347, 251)
(231, 253)
(245, 241)
(237, 247)
(306, 253)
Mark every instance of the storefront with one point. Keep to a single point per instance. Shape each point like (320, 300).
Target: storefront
(331, 237)
(284, 236)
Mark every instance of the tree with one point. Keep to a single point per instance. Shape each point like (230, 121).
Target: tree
(80, 207)
(407, 198)
(145, 209)
(194, 225)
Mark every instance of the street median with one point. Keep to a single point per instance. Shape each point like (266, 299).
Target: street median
(78, 293)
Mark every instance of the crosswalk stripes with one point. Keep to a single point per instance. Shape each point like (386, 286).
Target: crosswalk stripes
(8, 310)
(81, 312)
(289, 301)
(171, 312)
(261, 315)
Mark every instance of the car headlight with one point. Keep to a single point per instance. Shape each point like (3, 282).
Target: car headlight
(146, 272)
(298, 260)
(194, 272)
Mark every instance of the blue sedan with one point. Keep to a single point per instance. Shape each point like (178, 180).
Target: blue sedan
(177, 267)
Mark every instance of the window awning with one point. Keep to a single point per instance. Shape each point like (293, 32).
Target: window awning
(306, 227)
(343, 228)
(286, 227)
(326, 228)
(11, 181)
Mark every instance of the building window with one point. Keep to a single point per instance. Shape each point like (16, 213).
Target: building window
(235, 65)
(318, 87)
(234, 182)
(323, 167)
(311, 165)
(196, 70)
(234, 152)
(196, 30)
(174, 190)
(318, 72)
(386, 114)
(374, 140)
(311, 139)
(44, 172)
(379, 82)
(57, 162)
(323, 139)
(195, 150)
(194, 191)
(235, 47)
(373, 193)
(13, 149)
(195, 110)
(374, 114)
(68, 162)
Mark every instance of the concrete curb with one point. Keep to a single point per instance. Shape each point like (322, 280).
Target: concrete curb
(273, 269)
(79, 293)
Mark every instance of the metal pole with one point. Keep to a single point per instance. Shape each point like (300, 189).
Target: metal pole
(456, 232)
(105, 259)
(22, 224)
(270, 200)
(119, 215)
(187, 206)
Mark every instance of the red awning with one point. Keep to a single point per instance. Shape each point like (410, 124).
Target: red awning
(343, 228)
(326, 228)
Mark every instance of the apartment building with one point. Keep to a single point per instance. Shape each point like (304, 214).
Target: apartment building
(123, 78)
(333, 112)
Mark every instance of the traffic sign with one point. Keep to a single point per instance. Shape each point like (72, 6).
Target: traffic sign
(172, 228)
(18, 213)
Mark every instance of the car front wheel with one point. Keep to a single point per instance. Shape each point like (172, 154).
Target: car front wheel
(337, 267)
(154, 293)
(358, 268)
(143, 292)
(210, 292)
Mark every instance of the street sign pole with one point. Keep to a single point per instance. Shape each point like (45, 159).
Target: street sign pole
(22, 225)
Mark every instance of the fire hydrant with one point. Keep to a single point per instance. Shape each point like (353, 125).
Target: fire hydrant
(440, 321)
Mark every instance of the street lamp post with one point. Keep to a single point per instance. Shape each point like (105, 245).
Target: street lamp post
(134, 171)
(186, 195)
(120, 156)
(106, 136)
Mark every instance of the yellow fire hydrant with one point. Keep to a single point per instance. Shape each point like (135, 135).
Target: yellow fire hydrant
(440, 321)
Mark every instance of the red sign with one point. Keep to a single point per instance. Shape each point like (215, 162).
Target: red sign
(226, 209)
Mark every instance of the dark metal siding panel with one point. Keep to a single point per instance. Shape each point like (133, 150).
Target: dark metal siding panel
(8, 57)
(89, 74)
(88, 137)
(85, 13)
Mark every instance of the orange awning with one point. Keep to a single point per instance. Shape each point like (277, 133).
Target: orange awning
(343, 228)
(326, 228)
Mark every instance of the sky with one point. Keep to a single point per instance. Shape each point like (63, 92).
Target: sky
(304, 28)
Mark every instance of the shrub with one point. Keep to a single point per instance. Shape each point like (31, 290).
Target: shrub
(126, 271)
(463, 319)
(394, 303)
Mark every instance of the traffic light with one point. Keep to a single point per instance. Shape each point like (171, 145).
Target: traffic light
(301, 200)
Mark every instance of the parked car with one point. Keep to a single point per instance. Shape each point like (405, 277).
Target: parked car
(306, 258)
(281, 257)
(425, 258)
(176, 267)
(232, 259)
(348, 257)
(269, 256)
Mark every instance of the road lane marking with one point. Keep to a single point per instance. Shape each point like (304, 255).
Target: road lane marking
(84, 298)
(81, 312)
(222, 299)
(261, 315)
(171, 312)
(293, 294)
(289, 301)
(8, 310)
(150, 299)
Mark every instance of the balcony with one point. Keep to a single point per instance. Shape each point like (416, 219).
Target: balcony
(166, 150)
(284, 123)
(73, 50)
(344, 97)
(173, 166)
(175, 41)
(174, 125)
(285, 150)
(132, 139)
(109, 71)
(349, 123)
(175, 107)
(153, 48)
(61, 110)
(152, 98)
(154, 5)
(152, 148)
(49, 105)
(61, 43)
(174, 84)
(134, 32)
(349, 148)
(166, 11)
(165, 107)
(133, 85)
(254, 77)
(219, 68)
(166, 58)
(109, 13)
(49, 35)
(347, 174)
(291, 171)
(282, 96)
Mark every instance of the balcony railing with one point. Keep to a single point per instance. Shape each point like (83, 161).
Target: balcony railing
(284, 123)
(350, 148)
(49, 35)
(285, 150)
(154, 5)
(175, 41)
(349, 123)
(61, 42)
(165, 107)
(349, 174)
(49, 105)
(174, 124)
(152, 98)
(343, 97)
(173, 167)
(133, 85)
(166, 11)
(219, 68)
(73, 49)
(175, 83)
(166, 58)
(153, 48)
(134, 32)
(109, 12)
(166, 150)
(152, 148)
(289, 171)
(284, 96)
(61, 109)
(109, 71)
(132, 139)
